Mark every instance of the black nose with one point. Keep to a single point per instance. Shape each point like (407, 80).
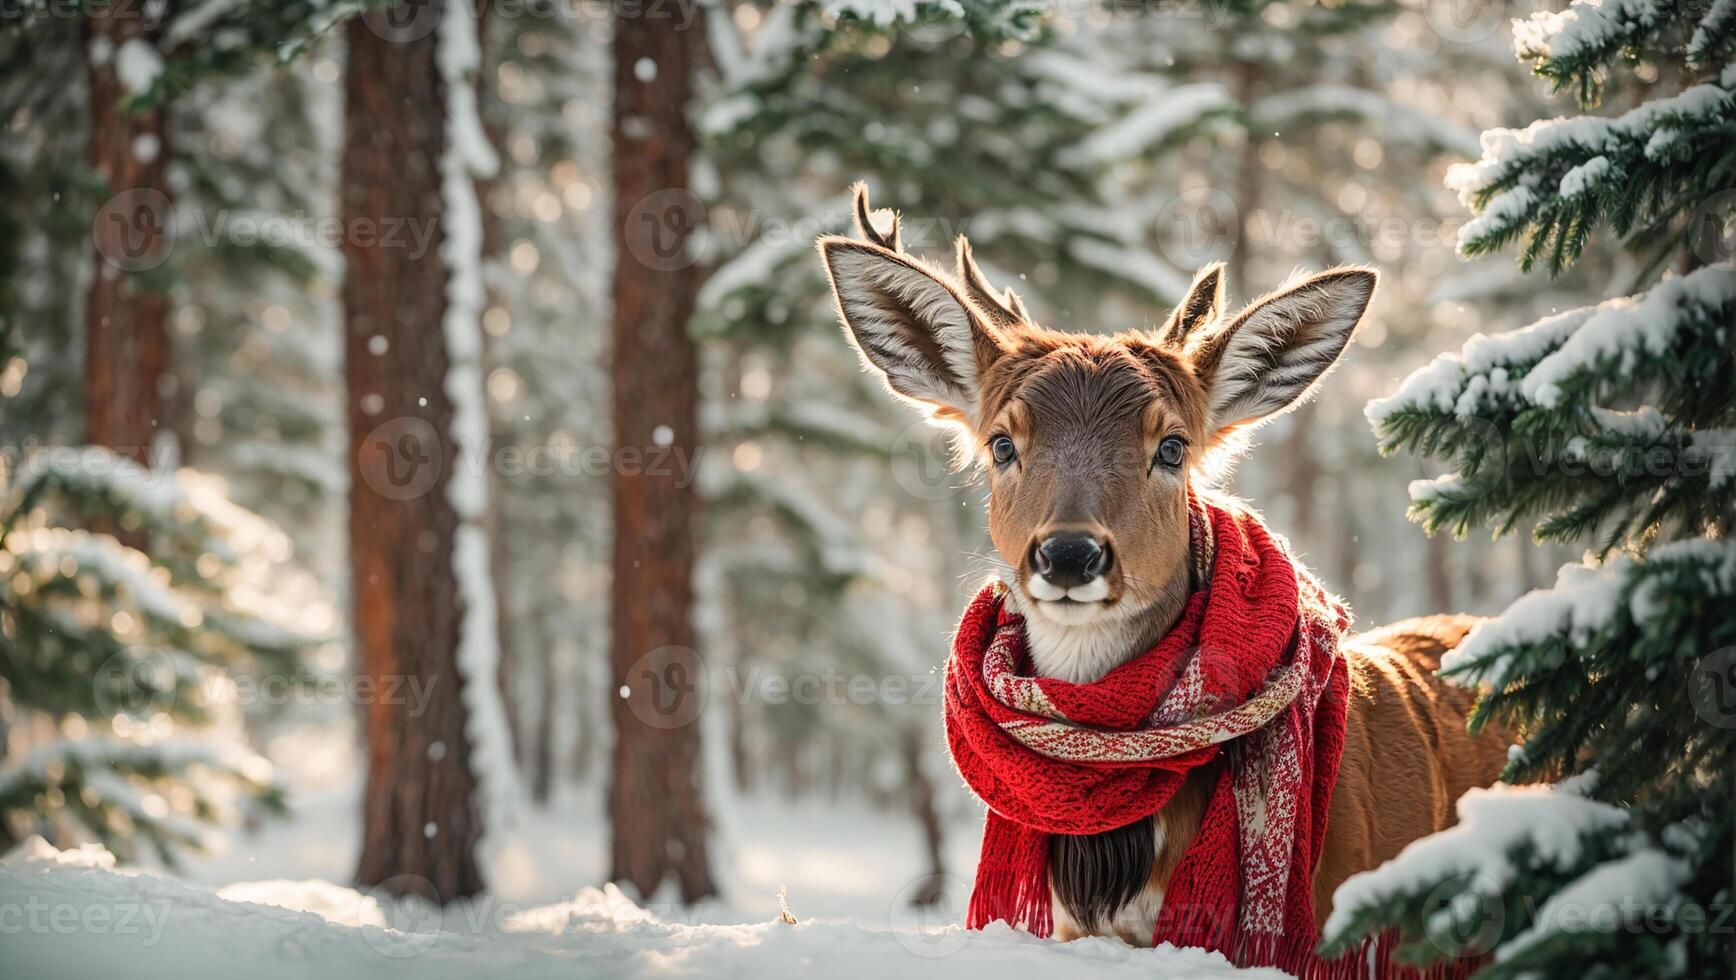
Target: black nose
(1069, 558)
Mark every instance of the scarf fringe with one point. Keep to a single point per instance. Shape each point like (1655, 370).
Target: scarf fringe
(1005, 888)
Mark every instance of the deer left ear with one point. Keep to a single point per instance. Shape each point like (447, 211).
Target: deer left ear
(1273, 353)
(1202, 304)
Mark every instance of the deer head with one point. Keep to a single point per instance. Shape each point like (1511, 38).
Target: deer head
(1088, 441)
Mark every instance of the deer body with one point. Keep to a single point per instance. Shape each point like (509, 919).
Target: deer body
(1090, 442)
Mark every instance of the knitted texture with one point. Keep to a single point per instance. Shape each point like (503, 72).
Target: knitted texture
(1250, 673)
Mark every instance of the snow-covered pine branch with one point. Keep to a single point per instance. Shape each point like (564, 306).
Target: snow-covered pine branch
(1573, 47)
(129, 793)
(1554, 181)
(1450, 894)
(1528, 414)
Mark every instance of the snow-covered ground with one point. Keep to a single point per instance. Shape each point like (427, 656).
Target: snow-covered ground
(272, 906)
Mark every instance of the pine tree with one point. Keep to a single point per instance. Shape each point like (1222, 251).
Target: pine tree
(1610, 426)
(119, 663)
(133, 599)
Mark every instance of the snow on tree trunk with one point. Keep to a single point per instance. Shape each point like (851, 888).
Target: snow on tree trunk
(468, 155)
(657, 816)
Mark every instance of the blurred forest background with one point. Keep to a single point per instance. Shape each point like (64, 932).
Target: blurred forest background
(439, 411)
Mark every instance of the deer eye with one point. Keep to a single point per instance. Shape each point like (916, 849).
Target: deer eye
(1003, 449)
(1170, 451)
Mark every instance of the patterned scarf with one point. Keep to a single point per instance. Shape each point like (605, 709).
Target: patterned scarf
(1250, 674)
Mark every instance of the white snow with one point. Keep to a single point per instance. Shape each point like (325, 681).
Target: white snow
(1623, 327)
(1584, 177)
(1484, 373)
(1582, 602)
(1532, 363)
(1506, 151)
(1585, 26)
(90, 920)
(1506, 208)
(137, 65)
(1544, 823)
(468, 155)
(1719, 20)
(1612, 892)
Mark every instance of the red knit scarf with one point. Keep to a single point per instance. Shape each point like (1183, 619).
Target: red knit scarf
(1250, 673)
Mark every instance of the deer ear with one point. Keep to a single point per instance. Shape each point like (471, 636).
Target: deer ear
(910, 326)
(1275, 351)
(1202, 305)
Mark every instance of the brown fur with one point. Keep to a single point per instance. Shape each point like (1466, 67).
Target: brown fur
(1086, 414)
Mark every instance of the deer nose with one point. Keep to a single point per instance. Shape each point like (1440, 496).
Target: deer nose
(1070, 558)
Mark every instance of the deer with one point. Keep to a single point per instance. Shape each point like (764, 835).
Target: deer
(1088, 442)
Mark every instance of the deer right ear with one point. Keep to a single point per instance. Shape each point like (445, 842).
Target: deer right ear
(911, 327)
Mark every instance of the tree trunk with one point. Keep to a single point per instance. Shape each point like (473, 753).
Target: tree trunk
(126, 312)
(657, 818)
(543, 755)
(420, 818)
(922, 806)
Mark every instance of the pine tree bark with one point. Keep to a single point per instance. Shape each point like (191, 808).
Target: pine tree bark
(922, 806)
(126, 354)
(420, 815)
(543, 747)
(657, 818)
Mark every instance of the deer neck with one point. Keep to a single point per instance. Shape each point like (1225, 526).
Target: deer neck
(1082, 654)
